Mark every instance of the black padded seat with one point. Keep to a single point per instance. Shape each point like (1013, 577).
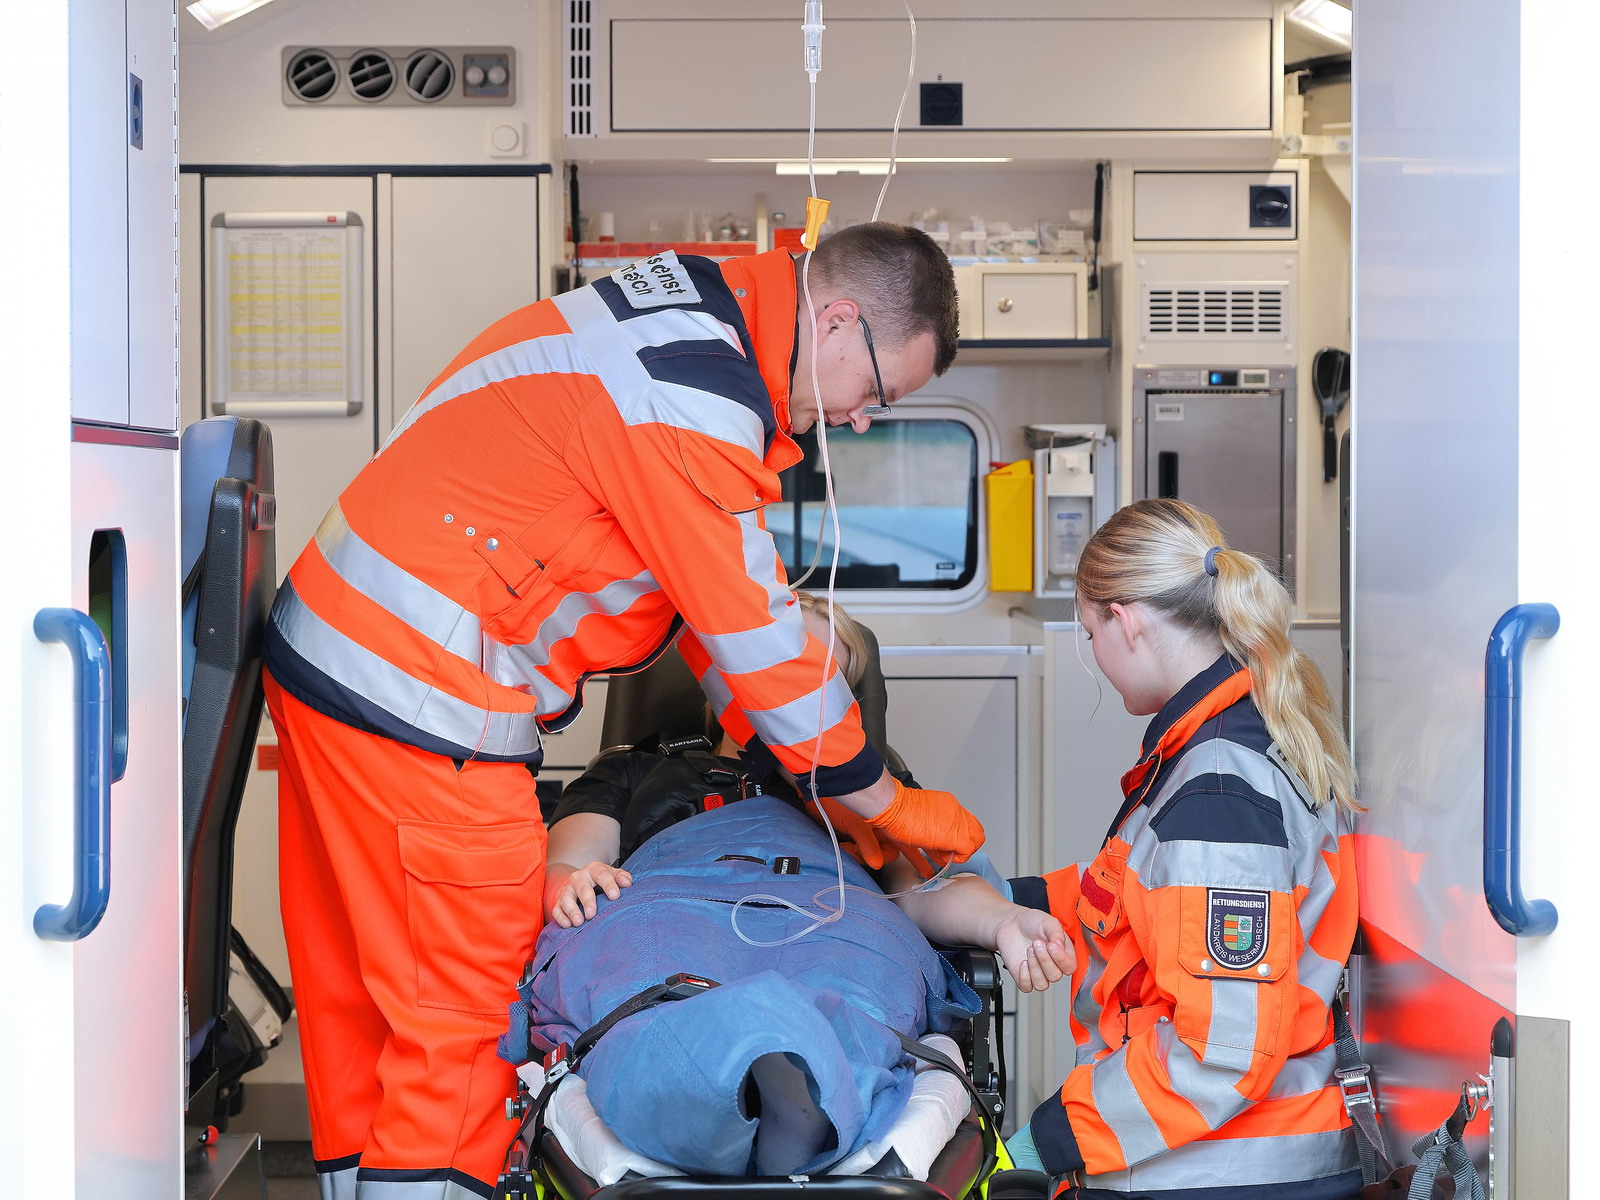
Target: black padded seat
(231, 576)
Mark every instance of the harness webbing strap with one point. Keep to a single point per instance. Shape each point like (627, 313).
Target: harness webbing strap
(1355, 1084)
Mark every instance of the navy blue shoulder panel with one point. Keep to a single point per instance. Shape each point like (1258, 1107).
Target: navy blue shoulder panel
(1220, 808)
(714, 366)
(715, 298)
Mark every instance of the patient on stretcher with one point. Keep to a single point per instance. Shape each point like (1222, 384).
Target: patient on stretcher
(794, 1062)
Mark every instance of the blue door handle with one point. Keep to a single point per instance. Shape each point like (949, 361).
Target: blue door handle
(1502, 770)
(91, 694)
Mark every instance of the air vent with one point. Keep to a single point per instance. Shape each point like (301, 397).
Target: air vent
(447, 76)
(312, 75)
(371, 75)
(429, 75)
(1215, 310)
(578, 70)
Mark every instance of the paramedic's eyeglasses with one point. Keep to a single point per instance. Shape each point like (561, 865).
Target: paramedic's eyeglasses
(881, 408)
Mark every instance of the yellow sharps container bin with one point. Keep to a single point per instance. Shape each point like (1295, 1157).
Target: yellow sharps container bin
(1010, 493)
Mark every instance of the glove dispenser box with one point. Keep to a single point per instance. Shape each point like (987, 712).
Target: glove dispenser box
(1075, 490)
(1024, 301)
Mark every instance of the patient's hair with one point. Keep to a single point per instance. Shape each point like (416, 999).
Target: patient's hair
(851, 638)
(900, 278)
(1153, 552)
(848, 632)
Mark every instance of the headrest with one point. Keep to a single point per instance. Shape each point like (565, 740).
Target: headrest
(666, 698)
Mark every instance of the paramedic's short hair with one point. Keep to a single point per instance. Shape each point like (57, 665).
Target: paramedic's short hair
(901, 280)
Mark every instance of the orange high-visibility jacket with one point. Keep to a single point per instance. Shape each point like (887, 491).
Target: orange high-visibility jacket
(1211, 932)
(587, 472)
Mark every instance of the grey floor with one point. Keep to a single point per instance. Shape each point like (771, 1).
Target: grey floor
(290, 1172)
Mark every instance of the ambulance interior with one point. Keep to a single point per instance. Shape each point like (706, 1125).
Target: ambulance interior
(1166, 290)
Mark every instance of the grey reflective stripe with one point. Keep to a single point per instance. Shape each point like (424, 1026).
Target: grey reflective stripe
(639, 398)
(554, 353)
(409, 699)
(668, 325)
(799, 720)
(1318, 974)
(1118, 1105)
(521, 660)
(1084, 1005)
(783, 639)
(1304, 1074)
(1248, 865)
(1320, 890)
(337, 1185)
(1211, 1091)
(1231, 1037)
(414, 1189)
(431, 613)
(755, 649)
(1239, 1162)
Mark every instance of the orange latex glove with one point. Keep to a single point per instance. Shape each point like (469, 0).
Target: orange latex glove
(922, 819)
(856, 837)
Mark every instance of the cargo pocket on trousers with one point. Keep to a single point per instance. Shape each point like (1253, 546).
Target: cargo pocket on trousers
(471, 893)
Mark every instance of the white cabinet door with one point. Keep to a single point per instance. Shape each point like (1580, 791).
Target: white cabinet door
(464, 253)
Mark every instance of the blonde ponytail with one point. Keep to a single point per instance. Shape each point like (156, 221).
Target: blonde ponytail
(1156, 552)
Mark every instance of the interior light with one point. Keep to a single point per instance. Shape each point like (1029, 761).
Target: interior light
(214, 14)
(1329, 18)
(859, 166)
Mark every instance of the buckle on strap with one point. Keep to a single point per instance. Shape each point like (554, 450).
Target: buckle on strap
(557, 1063)
(1355, 1087)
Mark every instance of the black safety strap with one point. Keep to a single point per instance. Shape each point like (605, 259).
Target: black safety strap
(1355, 1085)
(564, 1059)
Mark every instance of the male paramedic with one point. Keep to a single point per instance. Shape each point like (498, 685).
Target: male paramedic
(581, 485)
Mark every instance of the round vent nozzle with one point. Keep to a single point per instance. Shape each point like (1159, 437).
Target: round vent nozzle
(371, 75)
(429, 75)
(312, 75)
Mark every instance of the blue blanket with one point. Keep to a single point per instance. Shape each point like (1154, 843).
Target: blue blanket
(788, 1066)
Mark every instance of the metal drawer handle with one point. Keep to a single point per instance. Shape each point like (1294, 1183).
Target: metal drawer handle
(1005, 305)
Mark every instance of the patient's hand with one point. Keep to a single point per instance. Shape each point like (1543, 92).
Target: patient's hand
(569, 891)
(1034, 948)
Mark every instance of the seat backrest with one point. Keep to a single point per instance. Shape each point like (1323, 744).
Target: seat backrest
(666, 698)
(230, 575)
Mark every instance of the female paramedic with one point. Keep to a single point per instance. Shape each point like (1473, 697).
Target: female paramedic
(584, 481)
(1212, 927)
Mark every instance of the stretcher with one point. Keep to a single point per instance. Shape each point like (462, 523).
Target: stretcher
(562, 1148)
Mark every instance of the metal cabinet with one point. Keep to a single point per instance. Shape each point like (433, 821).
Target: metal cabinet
(1224, 439)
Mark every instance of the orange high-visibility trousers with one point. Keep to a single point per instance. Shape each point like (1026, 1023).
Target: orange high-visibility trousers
(411, 893)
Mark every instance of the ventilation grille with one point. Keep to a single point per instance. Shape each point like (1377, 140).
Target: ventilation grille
(448, 76)
(579, 69)
(311, 75)
(1215, 310)
(371, 75)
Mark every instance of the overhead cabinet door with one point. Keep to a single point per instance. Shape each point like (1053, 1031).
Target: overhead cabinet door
(1054, 74)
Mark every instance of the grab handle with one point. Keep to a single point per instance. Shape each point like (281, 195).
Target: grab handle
(1502, 770)
(91, 694)
(1167, 475)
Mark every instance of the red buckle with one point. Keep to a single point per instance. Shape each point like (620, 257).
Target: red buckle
(555, 1062)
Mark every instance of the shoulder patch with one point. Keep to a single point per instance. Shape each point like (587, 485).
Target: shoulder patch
(656, 282)
(1236, 926)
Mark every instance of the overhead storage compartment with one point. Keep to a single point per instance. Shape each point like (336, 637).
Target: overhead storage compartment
(1063, 74)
